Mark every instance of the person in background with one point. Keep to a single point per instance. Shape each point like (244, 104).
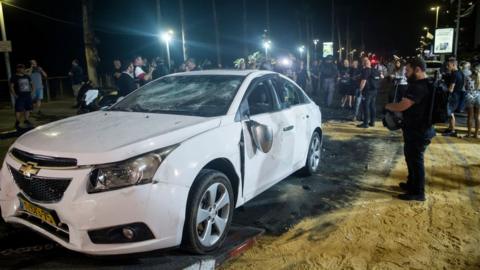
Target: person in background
(160, 69)
(356, 73)
(302, 75)
(344, 85)
(37, 74)
(329, 73)
(315, 74)
(191, 65)
(21, 88)
(139, 75)
(417, 128)
(369, 89)
(117, 71)
(472, 104)
(77, 76)
(455, 88)
(126, 83)
(399, 81)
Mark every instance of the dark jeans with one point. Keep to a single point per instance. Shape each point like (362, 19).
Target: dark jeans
(415, 144)
(369, 107)
(329, 87)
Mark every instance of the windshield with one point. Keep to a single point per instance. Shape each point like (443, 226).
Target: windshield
(197, 95)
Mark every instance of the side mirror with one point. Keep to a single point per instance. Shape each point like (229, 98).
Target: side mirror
(262, 136)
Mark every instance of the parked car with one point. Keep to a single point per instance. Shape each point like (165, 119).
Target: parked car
(165, 166)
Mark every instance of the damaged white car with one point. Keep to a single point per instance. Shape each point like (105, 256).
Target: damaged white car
(165, 166)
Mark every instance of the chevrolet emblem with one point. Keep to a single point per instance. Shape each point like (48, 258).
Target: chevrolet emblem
(29, 169)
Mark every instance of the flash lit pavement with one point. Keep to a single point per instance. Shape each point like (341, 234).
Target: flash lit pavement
(346, 217)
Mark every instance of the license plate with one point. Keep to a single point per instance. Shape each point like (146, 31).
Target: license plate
(37, 211)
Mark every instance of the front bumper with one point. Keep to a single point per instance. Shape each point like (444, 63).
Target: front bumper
(160, 206)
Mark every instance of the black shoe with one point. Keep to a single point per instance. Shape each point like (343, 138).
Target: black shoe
(404, 186)
(371, 124)
(450, 133)
(17, 124)
(362, 126)
(412, 197)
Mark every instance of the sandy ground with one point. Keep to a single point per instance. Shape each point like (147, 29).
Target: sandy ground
(378, 231)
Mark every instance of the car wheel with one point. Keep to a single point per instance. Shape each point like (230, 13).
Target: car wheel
(314, 155)
(209, 212)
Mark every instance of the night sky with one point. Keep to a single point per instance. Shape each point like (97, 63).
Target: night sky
(125, 28)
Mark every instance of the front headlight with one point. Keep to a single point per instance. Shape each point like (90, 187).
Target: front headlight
(135, 171)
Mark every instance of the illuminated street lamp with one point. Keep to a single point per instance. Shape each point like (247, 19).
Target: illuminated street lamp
(167, 38)
(301, 50)
(267, 45)
(436, 9)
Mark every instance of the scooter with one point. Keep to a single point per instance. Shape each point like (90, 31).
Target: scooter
(93, 99)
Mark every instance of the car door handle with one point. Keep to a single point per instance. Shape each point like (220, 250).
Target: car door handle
(288, 128)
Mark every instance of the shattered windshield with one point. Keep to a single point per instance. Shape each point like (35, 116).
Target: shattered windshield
(196, 95)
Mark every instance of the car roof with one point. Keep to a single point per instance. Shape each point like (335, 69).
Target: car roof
(245, 72)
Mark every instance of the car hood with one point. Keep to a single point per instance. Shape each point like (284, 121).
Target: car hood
(103, 137)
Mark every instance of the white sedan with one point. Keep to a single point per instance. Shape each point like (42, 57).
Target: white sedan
(164, 167)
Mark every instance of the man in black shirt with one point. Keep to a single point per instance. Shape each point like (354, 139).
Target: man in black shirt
(417, 130)
(126, 83)
(456, 82)
(369, 92)
(21, 88)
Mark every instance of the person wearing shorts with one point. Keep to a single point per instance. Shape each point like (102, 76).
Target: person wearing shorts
(37, 74)
(455, 88)
(21, 88)
(472, 100)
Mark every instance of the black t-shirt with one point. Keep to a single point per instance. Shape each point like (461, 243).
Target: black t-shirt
(417, 116)
(21, 84)
(365, 75)
(457, 78)
(344, 73)
(126, 84)
(329, 71)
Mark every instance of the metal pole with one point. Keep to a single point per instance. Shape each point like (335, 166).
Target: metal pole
(436, 17)
(457, 30)
(182, 22)
(168, 55)
(6, 54)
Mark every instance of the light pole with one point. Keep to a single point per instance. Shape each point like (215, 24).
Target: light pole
(436, 9)
(167, 38)
(301, 50)
(267, 45)
(315, 42)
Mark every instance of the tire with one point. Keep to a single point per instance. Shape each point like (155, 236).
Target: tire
(204, 217)
(314, 155)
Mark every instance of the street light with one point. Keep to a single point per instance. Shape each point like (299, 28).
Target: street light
(436, 9)
(301, 50)
(167, 38)
(267, 45)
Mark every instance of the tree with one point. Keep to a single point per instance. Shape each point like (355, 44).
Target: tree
(91, 53)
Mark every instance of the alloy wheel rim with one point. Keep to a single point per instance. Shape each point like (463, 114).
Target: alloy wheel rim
(212, 215)
(315, 153)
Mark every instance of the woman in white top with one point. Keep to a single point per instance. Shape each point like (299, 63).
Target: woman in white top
(399, 80)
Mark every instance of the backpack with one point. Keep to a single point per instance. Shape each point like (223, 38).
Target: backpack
(439, 103)
(375, 79)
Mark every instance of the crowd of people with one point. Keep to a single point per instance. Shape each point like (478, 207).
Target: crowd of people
(350, 84)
